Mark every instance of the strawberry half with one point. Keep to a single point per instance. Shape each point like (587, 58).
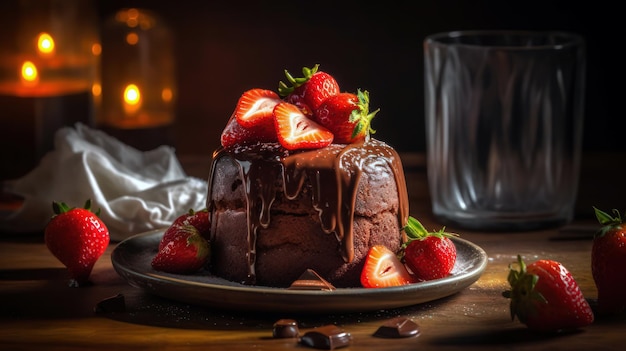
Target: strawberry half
(255, 107)
(347, 116)
(546, 298)
(236, 135)
(184, 252)
(608, 263)
(297, 131)
(383, 269)
(429, 255)
(308, 92)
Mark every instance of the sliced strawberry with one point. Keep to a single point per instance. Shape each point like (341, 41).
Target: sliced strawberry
(297, 131)
(255, 107)
(347, 116)
(383, 269)
(236, 135)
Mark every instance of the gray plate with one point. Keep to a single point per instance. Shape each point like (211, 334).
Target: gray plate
(132, 257)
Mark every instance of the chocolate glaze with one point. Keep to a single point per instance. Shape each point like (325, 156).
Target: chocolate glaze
(334, 173)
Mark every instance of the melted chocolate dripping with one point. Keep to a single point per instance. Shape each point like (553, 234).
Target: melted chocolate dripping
(334, 173)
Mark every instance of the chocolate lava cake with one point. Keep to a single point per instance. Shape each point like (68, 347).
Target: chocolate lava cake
(276, 213)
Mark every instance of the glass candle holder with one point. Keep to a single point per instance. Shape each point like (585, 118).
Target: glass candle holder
(138, 78)
(49, 72)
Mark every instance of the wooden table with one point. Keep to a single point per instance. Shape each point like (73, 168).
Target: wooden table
(38, 311)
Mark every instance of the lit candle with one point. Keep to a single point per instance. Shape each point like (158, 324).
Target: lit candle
(132, 98)
(45, 44)
(29, 74)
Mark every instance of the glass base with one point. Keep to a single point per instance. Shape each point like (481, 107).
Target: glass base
(502, 222)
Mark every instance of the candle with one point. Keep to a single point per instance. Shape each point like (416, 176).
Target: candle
(138, 80)
(49, 70)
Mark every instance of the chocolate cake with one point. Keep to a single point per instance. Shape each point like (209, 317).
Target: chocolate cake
(276, 213)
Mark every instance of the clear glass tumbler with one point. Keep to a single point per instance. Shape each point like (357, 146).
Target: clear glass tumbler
(504, 116)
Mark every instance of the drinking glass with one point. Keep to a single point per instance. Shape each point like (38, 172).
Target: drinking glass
(504, 117)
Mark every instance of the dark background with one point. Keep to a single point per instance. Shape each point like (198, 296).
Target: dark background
(226, 47)
(223, 48)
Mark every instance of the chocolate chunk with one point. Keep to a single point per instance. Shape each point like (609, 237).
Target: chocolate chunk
(286, 328)
(398, 327)
(115, 303)
(310, 280)
(328, 337)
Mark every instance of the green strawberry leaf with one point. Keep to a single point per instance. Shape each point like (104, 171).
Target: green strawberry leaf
(607, 221)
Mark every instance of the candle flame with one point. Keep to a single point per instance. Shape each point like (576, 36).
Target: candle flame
(166, 94)
(29, 72)
(45, 43)
(132, 38)
(132, 96)
(96, 89)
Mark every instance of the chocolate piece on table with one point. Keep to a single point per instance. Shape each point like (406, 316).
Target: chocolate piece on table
(286, 328)
(310, 280)
(115, 303)
(328, 337)
(398, 327)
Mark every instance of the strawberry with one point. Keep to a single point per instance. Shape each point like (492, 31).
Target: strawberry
(77, 238)
(296, 131)
(383, 268)
(546, 298)
(310, 91)
(235, 135)
(347, 116)
(256, 107)
(184, 252)
(428, 255)
(608, 263)
(199, 219)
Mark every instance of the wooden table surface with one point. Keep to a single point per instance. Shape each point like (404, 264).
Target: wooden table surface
(38, 311)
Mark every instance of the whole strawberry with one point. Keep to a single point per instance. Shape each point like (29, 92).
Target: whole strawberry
(77, 238)
(546, 298)
(347, 116)
(608, 263)
(199, 219)
(184, 252)
(308, 92)
(429, 255)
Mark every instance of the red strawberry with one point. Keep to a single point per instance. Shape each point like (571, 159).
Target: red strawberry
(255, 107)
(199, 219)
(546, 298)
(310, 91)
(77, 237)
(235, 135)
(608, 263)
(296, 131)
(429, 255)
(383, 268)
(184, 252)
(347, 116)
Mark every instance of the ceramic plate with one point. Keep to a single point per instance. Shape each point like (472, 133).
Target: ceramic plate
(132, 257)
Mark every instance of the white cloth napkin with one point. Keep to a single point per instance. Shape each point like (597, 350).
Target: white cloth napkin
(136, 191)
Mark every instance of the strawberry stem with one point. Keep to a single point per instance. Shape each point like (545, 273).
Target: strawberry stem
(416, 231)
(607, 221)
(284, 89)
(361, 114)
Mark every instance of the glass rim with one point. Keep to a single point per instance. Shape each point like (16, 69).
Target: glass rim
(565, 39)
